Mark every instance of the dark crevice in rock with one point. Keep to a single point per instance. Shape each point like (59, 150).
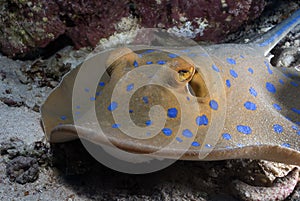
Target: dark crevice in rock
(46, 52)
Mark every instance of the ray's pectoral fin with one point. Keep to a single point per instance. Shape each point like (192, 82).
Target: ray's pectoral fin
(287, 95)
(57, 109)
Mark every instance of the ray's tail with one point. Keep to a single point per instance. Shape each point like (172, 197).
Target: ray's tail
(272, 37)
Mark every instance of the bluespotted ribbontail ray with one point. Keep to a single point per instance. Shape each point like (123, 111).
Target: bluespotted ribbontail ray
(225, 101)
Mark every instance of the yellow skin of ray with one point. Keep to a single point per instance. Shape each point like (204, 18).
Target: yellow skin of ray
(262, 143)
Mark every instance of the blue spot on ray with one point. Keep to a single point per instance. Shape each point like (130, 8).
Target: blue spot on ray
(167, 131)
(148, 51)
(171, 55)
(231, 61)
(250, 70)
(130, 87)
(112, 106)
(250, 106)
(92, 98)
(161, 62)
(244, 129)
(281, 81)
(172, 112)
(63, 117)
(215, 68)
(179, 139)
(286, 145)
(226, 136)
(201, 120)
(213, 104)
(295, 84)
(294, 127)
(253, 92)
(296, 110)
(277, 107)
(149, 62)
(115, 126)
(233, 73)
(101, 84)
(145, 99)
(187, 133)
(195, 144)
(208, 145)
(268, 67)
(270, 87)
(277, 128)
(228, 84)
(148, 123)
(135, 64)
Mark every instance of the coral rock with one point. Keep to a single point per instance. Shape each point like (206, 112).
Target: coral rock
(200, 19)
(91, 20)
(28, 26)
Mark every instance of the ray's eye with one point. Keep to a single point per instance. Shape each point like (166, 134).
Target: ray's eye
(185, 75)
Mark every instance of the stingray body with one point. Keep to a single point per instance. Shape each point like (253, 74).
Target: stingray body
(200, 103)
